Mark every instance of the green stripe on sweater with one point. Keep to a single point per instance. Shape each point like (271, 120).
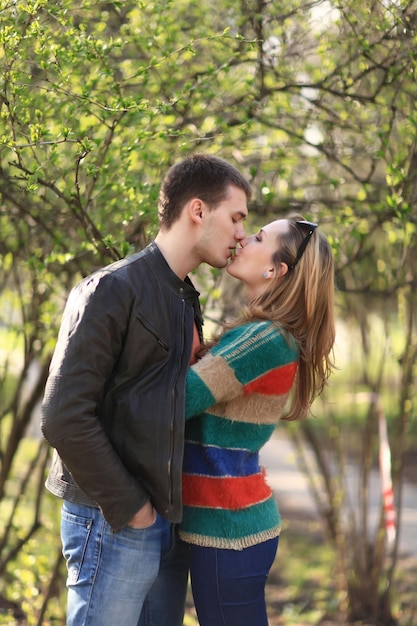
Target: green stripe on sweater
(198, 395)
(217, 431)
(220, 523)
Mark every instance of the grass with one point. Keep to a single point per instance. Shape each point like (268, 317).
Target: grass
(27, 576)
(299, 581)
(298, 576)
(300, 573)
(301, 590)
(302, 586)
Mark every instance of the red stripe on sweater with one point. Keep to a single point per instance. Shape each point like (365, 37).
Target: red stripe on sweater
(275, 382)
(224, 493)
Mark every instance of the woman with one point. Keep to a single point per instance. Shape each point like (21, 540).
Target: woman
(280, 349)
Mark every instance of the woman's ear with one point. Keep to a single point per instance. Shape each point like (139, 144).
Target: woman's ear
(281, 270)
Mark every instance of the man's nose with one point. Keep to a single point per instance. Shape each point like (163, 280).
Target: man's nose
(240, 233)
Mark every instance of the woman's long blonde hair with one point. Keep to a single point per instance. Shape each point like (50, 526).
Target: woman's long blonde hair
(302, 303)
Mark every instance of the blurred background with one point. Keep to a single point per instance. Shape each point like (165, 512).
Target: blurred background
(314, 101)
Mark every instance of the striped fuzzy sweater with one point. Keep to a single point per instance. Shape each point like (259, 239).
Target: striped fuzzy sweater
(234, 397)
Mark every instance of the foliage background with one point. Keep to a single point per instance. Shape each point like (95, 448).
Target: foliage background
(314, 100)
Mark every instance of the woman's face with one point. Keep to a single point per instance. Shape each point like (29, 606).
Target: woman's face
(252, 263)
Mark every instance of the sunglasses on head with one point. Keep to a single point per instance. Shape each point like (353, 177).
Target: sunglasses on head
(310, 227)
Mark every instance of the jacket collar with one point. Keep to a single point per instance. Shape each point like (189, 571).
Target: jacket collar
(162, 270)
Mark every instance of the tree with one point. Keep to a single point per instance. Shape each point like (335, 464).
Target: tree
(314, 100)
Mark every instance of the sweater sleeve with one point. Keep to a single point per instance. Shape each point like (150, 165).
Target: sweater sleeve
(252, 358)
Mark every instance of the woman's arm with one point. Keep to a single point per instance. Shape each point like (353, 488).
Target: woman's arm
(252, 358)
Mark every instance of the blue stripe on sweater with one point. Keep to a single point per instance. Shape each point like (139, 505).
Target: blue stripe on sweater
(213, 461)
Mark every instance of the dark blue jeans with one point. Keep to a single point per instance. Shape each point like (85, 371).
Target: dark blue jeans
(229, 585)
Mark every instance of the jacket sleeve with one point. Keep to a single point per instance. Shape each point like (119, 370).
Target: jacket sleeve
(89, 342)
(252, 358)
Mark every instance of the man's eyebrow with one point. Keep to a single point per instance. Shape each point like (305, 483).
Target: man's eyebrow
(242, 215)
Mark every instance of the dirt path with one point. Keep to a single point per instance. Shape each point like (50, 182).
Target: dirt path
(293, 494)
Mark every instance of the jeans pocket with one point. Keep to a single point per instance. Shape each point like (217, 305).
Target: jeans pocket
(75, 533)
(141, 528)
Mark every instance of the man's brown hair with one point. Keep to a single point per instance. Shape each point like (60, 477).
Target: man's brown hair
(202, 176)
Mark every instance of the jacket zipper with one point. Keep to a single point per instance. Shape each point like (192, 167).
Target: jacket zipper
(173, 404)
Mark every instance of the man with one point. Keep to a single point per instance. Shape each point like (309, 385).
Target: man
(114, 404)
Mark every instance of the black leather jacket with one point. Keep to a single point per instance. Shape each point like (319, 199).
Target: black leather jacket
(114, 400)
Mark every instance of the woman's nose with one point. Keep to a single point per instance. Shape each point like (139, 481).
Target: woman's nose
(244, 242)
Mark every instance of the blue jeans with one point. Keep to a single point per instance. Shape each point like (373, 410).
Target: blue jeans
(136, 577)
(229, 585)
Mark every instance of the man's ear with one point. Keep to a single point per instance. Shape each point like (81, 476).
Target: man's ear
(195, 209)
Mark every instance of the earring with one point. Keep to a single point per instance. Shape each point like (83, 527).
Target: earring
(266, 274)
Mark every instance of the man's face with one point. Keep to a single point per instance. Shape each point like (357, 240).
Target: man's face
(222, 228)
